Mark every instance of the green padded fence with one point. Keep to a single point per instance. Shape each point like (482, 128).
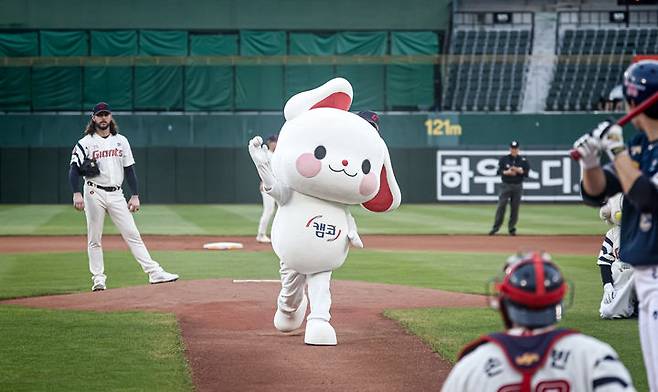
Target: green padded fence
(210, 88)
(409, 85)
(64, 43)
(260, 87)
(203, 158)
(299, 77)
(157, 76)
(114, 43)
(181, 175)
(19, 44)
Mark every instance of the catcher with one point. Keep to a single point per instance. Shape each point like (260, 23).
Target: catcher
(619, 300)
(533, 354)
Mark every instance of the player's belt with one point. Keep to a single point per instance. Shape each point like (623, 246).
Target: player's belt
(105, 188)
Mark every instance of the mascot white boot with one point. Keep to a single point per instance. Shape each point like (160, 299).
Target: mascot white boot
(326, 159)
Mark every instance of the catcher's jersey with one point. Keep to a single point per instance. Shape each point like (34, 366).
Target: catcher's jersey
(576, 362)
(610, 248)
(112, 154)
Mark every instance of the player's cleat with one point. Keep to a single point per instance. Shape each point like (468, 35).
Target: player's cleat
(162, 276)
(319, 333)
(512, 232)
(289, 322)
(492, 232)
(262, 238)
(99, 285)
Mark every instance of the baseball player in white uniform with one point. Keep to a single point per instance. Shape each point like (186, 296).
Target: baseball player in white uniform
(103, 157)
(619, 299)
(269, 204)
(532, 354)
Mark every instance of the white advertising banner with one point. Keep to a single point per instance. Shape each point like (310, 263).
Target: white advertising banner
(472, 175)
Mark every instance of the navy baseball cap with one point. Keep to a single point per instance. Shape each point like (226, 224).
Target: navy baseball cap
(101, 107)
(371, 117)
(514, 144)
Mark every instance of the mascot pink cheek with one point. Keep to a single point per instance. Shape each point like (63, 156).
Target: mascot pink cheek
(307, 165)
(368, 184)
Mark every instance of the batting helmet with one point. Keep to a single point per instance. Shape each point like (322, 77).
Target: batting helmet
(531, 291)
(640, 83)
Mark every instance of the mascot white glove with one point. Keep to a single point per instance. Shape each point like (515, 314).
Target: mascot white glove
(259, 154)
(608, 293)
(352, 234)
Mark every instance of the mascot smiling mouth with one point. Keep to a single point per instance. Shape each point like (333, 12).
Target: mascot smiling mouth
(342, 170)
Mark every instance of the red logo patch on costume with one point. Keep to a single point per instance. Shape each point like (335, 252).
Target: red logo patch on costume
(323, 230)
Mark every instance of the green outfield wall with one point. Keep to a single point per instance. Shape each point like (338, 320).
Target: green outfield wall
(225, 14)
(203, 158)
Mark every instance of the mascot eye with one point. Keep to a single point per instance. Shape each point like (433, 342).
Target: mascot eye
(365, 166)
(320, 152)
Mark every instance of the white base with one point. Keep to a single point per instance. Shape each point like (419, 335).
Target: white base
(320, 333)
(223, 245)
(286, 322)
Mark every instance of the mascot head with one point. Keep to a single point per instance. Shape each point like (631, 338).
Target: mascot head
(329, 153)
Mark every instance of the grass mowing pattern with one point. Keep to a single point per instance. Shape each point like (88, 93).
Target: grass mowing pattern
(446, 330)
(237, 219)
(85, 351)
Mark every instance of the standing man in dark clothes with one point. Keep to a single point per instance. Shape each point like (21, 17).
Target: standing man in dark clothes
(513, 168)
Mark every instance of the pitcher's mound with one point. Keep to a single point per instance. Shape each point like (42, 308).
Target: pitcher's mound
(232, 344)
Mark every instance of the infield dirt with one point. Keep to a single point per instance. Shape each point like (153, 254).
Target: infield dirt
(231, 344)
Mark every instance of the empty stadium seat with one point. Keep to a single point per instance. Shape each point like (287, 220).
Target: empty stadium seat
(590, 63)
(487, 70)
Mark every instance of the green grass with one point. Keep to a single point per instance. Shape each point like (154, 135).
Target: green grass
(84, 351)
(448, 330)
(242, 219)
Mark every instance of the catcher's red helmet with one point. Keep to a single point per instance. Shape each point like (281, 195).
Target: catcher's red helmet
(531, 291)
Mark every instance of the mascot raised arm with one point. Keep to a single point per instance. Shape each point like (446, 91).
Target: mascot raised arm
(326, 160)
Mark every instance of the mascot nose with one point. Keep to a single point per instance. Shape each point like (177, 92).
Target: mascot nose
(344, 162)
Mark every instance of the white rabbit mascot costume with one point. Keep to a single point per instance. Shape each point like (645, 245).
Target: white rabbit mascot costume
(619, 300)
(326, 159)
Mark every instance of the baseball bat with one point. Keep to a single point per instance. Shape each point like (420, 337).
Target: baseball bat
(624, 120)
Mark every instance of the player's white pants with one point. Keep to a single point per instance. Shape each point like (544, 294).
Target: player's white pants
(292, 292)
(646, 284)
(623, 305)
(269, 204)
(97, 203)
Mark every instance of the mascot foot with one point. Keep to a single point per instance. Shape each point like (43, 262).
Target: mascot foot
(286, 322)
(320, 333)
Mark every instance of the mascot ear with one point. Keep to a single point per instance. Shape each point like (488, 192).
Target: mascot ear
(336, 93)
(388, 197)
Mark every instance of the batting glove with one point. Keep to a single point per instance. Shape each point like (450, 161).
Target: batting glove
(613, 142)
(608, 293)
(589, 146)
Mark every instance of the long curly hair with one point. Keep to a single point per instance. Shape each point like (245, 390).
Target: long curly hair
(91, 127)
